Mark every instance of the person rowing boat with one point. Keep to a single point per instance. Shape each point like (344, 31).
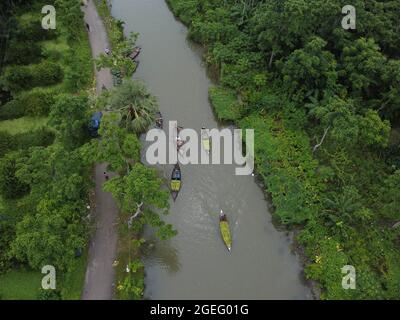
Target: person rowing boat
(179, 141)
(176, 181)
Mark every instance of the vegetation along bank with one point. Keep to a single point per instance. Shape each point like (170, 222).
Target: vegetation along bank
(324, 103)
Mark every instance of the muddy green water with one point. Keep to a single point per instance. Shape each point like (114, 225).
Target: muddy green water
(195, 264)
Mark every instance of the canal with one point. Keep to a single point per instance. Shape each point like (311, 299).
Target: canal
(195, 264)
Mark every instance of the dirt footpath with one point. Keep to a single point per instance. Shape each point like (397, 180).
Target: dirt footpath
(100, 274)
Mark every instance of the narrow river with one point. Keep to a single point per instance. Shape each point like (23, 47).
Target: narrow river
(195, 264)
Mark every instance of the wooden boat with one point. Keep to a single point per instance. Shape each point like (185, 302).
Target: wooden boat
(176, 181)
(205, 139)
(159, 120)
(225, 230)
(135, 52)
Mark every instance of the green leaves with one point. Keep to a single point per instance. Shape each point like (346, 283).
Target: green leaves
(49, 236)
(11, 187)
(141, 187)
(135, 104)
(303, 83)
(69, 117)
(117, 147)
(310, 71)
(118, 58)
(364, 64)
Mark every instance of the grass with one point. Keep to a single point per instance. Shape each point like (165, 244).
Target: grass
(54, 49)
(225, 103)
(20, 285)
(73, 281)
(22, 125)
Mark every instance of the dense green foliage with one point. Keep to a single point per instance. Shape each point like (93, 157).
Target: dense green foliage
(324, 103)
(17, 78)
(36, 102)
(135, 105)
(41, 137)
(45, 181)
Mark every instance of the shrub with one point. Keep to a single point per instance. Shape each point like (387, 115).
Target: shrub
(41, 137)
(225, 103)
(17, 78)
(31, 30)
(12, 110)
(49, 295)
(23, 53)
(36, 102)
(47, 73)
(6, 143)
(10, 186)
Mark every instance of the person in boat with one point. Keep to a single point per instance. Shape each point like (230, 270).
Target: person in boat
(179, 142)
(159, 121)
(222, 216)
(176, 175)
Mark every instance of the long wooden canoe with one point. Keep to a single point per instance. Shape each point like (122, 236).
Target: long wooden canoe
(225, 230)
(176, 181)
(135, 52)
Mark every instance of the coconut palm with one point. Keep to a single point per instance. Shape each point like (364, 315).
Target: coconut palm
(135, 104)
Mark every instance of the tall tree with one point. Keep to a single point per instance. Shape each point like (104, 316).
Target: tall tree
(69, 117)
(136, 105)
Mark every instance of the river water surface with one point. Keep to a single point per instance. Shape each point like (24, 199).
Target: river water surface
(195, 264)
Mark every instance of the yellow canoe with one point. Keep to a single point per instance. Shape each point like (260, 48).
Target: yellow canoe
(225, 230)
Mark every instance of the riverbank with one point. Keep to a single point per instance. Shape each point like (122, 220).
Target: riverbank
(227, 108)
(126, 252)
(321, 182)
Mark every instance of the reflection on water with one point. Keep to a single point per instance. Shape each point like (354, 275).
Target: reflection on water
(160, 253)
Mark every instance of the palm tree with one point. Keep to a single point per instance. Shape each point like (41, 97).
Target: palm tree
(135, 104)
